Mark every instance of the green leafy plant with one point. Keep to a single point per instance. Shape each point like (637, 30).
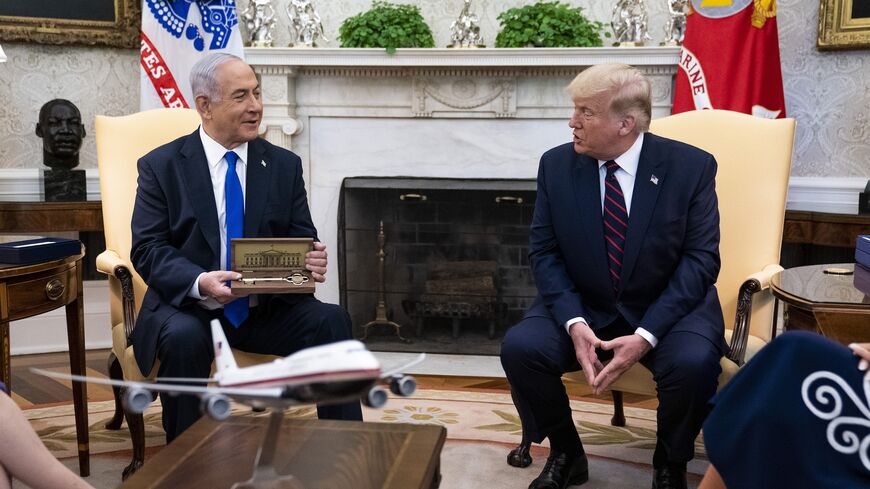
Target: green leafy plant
(386, 25)
(547, 25)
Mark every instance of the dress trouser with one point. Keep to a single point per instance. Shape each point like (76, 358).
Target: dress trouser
(685, 365)
(185, 349)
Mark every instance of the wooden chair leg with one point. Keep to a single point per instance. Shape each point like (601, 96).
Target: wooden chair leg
(521, 455)
(115, 373)
(136, 423)
(618, 418)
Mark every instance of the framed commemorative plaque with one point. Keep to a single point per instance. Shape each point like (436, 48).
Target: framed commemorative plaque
(272, 265)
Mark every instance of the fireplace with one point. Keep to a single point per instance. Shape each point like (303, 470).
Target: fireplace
(455, 271)
(435, 115)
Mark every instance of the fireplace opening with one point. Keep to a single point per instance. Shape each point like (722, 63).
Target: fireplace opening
(434, 264)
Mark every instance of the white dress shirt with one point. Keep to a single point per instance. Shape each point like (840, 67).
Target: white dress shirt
(625, 175)
(217, 168)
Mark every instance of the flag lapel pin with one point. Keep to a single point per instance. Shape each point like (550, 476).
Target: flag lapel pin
(654, 179)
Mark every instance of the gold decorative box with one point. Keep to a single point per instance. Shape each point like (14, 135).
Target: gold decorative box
(272, 265)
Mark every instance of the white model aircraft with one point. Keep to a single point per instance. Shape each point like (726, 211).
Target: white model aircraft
(328, 374)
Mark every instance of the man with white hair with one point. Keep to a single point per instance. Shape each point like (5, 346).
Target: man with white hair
(625, 253)
(197, 193)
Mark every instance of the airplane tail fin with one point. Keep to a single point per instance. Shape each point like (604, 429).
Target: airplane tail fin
(223, 355)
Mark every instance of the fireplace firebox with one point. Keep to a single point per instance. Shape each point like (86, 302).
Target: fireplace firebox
(435, 264)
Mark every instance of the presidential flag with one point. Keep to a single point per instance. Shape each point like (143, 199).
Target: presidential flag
(175, 35)
(730, 59)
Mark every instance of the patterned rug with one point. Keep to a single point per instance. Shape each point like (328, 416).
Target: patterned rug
(472, 419)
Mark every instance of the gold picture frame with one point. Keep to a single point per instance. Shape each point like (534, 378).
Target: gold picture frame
(113, 23)
(844, 24)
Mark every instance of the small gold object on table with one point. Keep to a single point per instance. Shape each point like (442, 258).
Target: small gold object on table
(272, 265)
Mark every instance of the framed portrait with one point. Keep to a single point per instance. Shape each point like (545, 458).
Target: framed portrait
(844, 24)
(113, 23)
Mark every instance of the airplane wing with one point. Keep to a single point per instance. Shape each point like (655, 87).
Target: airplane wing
(235, 392)
(398, 370)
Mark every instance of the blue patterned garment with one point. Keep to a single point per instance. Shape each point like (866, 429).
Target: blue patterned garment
(797, 415)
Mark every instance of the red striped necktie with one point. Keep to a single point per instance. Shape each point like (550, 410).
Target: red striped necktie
(615, 222)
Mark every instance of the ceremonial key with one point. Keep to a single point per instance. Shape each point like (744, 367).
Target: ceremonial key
(295, 279)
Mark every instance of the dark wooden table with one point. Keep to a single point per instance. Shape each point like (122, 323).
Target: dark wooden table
(813, 238)
(825, 303)
(28, 290)
(321, 454)
(28, 217)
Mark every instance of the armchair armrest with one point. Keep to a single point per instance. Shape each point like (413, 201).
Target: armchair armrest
(107, 261)
(110, 263)
(755, 282)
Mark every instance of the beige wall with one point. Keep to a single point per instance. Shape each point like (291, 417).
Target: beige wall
(829, 93)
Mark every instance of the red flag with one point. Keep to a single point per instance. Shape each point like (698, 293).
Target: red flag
(730, 59)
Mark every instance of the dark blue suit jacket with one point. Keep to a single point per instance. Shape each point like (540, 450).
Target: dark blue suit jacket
(176, 233)
(671, 258)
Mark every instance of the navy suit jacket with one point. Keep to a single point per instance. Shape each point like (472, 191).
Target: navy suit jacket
(176, 234)
(671, 257)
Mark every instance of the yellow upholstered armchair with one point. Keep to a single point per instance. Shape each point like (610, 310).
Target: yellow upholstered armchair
(121, 141)
(754, 157)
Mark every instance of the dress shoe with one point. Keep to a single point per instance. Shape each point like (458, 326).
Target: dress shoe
(562, 470)
(670, 477)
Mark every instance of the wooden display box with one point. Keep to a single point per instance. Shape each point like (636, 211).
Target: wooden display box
(272, 265)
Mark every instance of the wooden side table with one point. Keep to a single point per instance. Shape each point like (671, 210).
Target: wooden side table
(28, 290)
(824, 303)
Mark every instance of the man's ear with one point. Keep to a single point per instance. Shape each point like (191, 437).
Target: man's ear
(39, 129)
(203, 106)
(627, 125)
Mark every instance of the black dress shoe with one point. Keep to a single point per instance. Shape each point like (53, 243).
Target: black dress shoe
(561, 471)
(670, 478)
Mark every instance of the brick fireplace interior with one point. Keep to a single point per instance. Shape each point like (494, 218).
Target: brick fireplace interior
(455, 264)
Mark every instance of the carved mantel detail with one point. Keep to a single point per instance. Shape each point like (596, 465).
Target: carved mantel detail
(464, 97)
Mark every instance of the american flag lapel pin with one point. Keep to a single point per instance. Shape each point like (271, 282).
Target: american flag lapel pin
(654, 179)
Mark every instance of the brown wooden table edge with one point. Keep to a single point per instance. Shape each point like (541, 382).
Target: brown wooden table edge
(185, 446)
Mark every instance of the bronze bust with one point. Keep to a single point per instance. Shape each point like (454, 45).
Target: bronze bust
(61, 129)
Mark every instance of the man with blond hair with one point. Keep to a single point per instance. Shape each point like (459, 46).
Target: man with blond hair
(625, 252)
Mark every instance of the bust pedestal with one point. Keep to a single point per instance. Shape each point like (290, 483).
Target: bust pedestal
(64, 185)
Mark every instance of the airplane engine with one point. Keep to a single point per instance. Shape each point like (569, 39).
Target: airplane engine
(403, 386)
(376, 397)
(216, 406)
(136, 400)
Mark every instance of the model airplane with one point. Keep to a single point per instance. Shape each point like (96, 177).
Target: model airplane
(329, 374)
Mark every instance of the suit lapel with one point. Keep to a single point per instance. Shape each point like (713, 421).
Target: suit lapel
(649, 179)
(257, 181)
(197, 179)
(587, 191)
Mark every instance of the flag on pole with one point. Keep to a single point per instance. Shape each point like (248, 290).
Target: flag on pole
(730, 59)
(175, 35)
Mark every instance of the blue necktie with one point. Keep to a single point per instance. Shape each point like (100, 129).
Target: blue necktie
(615, 223)
(236, 311)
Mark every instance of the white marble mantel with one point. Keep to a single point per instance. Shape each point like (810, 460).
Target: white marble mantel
(470, 113)
(451, 58)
